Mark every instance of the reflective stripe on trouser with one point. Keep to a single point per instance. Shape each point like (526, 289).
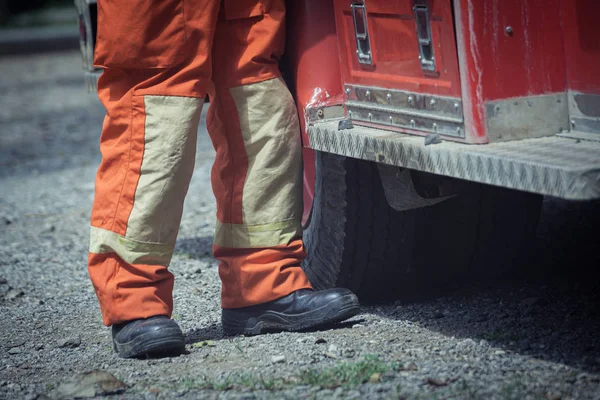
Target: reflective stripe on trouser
(153, 103)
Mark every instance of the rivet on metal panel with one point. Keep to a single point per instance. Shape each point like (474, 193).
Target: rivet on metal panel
(321, 113)
(509, 30)
(432, 102)
(573, 123)
(391, 120)
(434, 127)
(412, 123)
(348, 91)
(411, 100)
(350, 114)
(370, 116)
(389, 98)
(456, 106)
(368, 94)
(458, 131)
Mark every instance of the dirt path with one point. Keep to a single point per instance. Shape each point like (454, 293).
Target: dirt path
(526, 339)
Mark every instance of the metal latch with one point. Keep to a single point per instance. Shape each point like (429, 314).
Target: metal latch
(426, 51)
(361, 32)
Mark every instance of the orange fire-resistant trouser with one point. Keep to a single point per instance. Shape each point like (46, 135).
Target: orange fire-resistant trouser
(160, 59)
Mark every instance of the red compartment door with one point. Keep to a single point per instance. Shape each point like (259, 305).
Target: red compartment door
(394, 45)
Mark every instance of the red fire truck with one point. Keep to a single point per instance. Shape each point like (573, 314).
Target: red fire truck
(432, 129)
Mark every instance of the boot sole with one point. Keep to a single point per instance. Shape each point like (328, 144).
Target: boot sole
(165, 342)
(272, 321)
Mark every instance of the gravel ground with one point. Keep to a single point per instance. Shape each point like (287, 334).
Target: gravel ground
(534, 337)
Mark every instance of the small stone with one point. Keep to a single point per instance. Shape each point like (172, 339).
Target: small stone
(410, 366)
(582, 377)
(14, 350)
(14, 294)
(71, 342)
(278, 359)
(375, 377)
(49, 228)
(198, 271)
(3, 281)
(320, 341)
(349, 353)
(91, 384)
(358, 326)
(465, 345)
(17, 343)
(436, 382)
(499, 352)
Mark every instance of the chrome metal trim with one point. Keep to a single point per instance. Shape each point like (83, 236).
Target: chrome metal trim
(584, 110)
(407, 102)
(424, 37)
(591, 125)
(408, 110)
(86, 44)
(391, 118)
(581, 135)
(555, 166)
(526, 117)
(91, 80)
(363, 40)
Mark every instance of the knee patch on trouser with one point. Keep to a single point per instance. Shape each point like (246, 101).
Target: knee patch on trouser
(139, 203)
(257, 180)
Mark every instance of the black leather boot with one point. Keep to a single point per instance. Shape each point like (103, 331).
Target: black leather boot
(302, 309)
(151, 336)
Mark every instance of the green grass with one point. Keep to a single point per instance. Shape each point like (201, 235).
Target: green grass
(347, 375)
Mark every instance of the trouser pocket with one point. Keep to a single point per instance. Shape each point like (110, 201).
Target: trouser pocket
(140, 34)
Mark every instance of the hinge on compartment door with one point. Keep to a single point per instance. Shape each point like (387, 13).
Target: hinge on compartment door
(424, 38)
(361, 33)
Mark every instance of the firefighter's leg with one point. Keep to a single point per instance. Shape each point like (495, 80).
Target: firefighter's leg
(257, 175)
(157, 73)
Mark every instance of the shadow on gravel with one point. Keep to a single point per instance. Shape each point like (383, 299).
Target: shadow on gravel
(203, 336)
(549, 311)
(212, 332)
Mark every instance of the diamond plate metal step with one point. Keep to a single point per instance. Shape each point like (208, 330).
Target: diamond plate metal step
(556, 166)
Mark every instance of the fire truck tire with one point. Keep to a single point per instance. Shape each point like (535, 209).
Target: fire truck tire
(354, 239)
